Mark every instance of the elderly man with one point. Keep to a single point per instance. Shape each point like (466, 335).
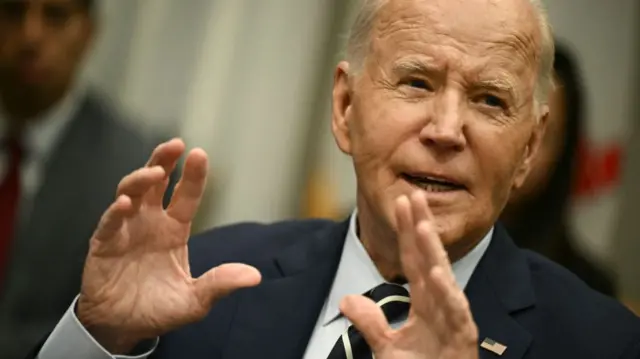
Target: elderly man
(441, 105)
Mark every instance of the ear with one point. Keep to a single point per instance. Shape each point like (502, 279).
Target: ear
(341, 107)
(533, 145)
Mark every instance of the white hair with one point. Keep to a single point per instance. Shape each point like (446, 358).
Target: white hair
(359, 43)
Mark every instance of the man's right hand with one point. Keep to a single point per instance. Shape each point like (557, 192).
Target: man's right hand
(136, 283)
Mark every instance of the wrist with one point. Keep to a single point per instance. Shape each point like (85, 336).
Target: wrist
(114, 340)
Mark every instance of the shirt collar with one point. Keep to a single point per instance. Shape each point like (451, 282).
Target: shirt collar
(357, 273)
(41, 134)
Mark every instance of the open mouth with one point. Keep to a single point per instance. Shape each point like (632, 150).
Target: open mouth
(433, 184)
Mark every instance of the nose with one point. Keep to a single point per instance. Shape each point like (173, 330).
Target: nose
(444, 128)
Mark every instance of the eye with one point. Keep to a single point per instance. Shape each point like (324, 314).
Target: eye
(492, 101)
(419, 84)
(13, 10)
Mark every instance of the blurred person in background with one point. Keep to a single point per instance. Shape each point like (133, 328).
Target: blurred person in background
(63, 148)
(537, 215)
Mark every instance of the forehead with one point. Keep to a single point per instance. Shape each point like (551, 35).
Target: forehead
(461, 33)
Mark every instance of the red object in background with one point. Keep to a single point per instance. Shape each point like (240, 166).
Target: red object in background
(599, 168)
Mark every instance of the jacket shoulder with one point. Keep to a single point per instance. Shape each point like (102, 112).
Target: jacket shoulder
(568, 310)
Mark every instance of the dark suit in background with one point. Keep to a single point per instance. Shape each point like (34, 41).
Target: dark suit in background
(97, 148)
(518, 298)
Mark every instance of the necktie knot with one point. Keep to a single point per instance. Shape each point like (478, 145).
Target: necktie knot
(393, 299)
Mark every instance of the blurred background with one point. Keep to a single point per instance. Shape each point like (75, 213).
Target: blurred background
(250, 82)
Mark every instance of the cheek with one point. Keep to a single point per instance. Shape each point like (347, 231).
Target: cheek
(383, 134)
(380, 129)
(499, 155)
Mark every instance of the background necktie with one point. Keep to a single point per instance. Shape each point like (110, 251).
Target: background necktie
(9, 199)
(394, 301)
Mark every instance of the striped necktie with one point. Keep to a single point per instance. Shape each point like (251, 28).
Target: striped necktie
(394, 301)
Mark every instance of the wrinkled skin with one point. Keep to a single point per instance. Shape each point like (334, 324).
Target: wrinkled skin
(447, 89)
(136, 283)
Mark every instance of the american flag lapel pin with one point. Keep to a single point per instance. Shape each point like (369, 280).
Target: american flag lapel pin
(493, 346)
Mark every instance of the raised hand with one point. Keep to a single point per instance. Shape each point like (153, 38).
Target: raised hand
(136, 282)
(440, 325)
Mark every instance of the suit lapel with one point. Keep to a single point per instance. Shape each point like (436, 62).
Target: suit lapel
(499, 290)
(276, 319)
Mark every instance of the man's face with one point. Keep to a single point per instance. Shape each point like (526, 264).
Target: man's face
(42, 43)
(444, 102)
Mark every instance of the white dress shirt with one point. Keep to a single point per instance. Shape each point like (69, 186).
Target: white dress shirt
(356, 274)
(38, 140)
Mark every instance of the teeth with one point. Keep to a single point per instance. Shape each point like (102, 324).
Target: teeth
(431, 184)
(434, 187)
(436, 180)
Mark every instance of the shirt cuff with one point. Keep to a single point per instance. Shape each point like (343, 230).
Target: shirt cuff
(70, 339)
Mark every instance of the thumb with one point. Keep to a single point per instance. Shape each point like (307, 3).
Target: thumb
(368, 318)
(223, 280)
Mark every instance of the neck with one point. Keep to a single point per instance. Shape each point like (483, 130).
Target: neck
(380, 243)
(22, 107)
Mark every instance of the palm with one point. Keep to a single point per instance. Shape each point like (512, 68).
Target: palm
(137, 275)
(417, 337)
(143, 273)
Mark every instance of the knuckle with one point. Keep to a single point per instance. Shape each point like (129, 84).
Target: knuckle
(122, 185)
(471, 333)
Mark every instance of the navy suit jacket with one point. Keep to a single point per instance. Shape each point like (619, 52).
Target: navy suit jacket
(531, 305)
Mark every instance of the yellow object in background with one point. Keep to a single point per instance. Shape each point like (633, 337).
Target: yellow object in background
(320, 198)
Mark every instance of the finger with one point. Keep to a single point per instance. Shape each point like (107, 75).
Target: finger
(424, 303)
(423, 216)
(113, 218)
(430, 246)
(223, 280)
(165, 152)
(450, 299)
(136, 184)
(368, 318)
(419, 206)
(406, 241)
(188, 192)
(166, 156)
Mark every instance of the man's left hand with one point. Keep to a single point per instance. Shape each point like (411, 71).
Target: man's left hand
(440, 324)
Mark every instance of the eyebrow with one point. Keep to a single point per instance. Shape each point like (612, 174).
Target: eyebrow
(504, 84)
(413, 66)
